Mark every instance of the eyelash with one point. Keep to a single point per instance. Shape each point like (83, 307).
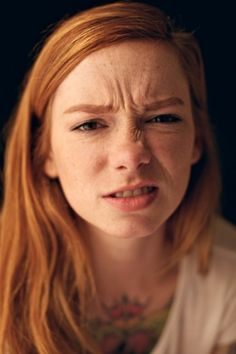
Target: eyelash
(88, 123)
(162, 119)
(165, 119)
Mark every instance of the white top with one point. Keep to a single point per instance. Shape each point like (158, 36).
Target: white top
(203, 313)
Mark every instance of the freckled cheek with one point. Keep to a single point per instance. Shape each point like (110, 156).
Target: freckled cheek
(78, 164)
(174, 154)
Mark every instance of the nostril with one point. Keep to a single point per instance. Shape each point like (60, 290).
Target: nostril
(130, 157)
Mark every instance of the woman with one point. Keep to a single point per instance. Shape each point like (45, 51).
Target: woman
(106, 241)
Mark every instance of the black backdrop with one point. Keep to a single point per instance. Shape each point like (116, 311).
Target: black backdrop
(23, 24)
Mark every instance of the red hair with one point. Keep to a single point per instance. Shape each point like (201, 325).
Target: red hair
(46, 279)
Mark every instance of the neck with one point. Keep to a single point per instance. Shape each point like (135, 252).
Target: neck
(128, 267)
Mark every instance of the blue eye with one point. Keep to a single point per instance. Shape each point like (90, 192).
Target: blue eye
(165, 119)
(89, 125)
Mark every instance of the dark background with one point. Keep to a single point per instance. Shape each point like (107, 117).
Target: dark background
(23, 24)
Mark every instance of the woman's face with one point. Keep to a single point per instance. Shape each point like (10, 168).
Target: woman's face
(123, 138)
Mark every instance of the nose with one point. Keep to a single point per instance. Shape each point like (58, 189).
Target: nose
(131, 152)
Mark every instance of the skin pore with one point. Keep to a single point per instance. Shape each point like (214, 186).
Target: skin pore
(122, 120)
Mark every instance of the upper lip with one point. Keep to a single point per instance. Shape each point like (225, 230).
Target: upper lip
(133, 187)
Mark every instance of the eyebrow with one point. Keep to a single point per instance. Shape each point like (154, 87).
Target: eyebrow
(99, 109)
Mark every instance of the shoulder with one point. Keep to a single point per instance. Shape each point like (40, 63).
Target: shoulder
(223, 259)
(224, 233)
(223, 286)
(223, 268)
(223, 262)
(210, 300)
(218, 286)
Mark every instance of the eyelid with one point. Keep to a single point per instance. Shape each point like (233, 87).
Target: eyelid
(88, 121)
(175, 118)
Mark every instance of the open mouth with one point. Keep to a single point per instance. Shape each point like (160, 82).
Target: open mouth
(134, 192)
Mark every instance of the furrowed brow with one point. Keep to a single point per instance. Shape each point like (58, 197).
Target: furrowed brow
(100, 109)
(172, 101)
(90, 108)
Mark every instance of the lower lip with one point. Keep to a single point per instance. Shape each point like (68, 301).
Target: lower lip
(133, 203)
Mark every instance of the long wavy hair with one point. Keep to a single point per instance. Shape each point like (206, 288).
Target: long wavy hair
(45, 274)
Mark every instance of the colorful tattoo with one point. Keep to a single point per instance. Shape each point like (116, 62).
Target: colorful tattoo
(126, 329)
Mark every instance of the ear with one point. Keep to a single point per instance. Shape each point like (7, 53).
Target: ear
(197, 151)
(50, 168)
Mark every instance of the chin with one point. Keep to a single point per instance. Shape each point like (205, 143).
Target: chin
(134, 230)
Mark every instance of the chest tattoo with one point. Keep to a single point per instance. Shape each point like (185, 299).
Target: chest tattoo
(126, 329)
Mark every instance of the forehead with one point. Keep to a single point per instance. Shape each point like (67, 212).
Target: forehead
(129, 71)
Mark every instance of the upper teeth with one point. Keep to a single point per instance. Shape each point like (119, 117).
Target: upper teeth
(133, 193)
